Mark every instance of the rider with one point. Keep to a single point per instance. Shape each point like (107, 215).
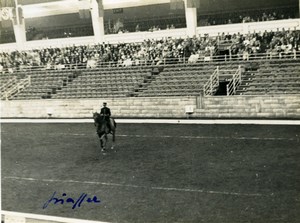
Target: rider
(105, 111)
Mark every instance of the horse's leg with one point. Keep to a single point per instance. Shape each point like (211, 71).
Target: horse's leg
(99, 135)
(105, 140)
(102, 142)
(113, 139)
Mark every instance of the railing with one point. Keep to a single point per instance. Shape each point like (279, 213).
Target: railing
(213, 82)
(235, 82)
(18, 87)
(8, 84)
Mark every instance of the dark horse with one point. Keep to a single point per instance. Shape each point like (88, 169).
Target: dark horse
(103, 130)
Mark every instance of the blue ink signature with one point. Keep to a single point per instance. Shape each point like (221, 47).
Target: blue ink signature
(76, 202)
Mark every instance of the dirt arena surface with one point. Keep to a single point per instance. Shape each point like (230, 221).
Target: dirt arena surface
(157, 172)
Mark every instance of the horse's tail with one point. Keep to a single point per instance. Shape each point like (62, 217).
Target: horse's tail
(113, 123)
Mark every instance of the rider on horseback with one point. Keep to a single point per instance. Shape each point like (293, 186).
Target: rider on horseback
(105, 112)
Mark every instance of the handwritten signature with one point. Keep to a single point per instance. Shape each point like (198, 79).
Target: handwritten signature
(76, 202)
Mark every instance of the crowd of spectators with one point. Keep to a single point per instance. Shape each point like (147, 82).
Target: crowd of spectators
(144, 24)
(155, 52)
(33, 33)
(163, 22)
(249, 16)
(274, 44)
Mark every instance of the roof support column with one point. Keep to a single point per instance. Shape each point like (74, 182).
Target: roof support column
(97, 13)
(191, 18)
(19, 27)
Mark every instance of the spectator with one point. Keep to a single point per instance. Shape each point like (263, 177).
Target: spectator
(137, 28)
(91, 63)
(127, 62)
(193, 58)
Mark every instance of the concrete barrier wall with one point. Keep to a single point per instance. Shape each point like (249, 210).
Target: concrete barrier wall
(83, 108)
(285, 106)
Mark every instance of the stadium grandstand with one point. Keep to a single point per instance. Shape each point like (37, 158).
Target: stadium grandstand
(178, 60)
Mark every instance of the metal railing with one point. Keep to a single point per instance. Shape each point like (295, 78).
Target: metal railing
(212, 84)
(236, 80)
(18, 87)
(8, 84)
(210, 87)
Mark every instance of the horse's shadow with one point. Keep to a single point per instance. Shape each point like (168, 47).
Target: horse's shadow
(104, 127)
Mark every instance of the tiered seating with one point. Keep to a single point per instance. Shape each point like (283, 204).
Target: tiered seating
(183, 80)
(269, 77)
(278, 77)
(114, 82)
(43, 84)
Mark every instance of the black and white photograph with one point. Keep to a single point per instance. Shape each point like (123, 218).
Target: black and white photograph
(150, 111)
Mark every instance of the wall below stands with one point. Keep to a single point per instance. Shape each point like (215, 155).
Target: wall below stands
(285, 106)
(83, 108)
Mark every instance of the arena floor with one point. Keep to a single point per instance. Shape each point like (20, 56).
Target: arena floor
(159, 172)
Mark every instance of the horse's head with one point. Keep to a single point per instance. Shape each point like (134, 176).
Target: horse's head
(99, 121)
(98, 118)
(95, 116)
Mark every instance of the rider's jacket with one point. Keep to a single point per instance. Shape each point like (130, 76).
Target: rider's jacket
(105, 111)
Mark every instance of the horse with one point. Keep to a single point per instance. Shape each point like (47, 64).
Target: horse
(100, 122)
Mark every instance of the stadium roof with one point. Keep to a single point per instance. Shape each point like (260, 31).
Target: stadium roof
(118, 3)
(39, 8)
